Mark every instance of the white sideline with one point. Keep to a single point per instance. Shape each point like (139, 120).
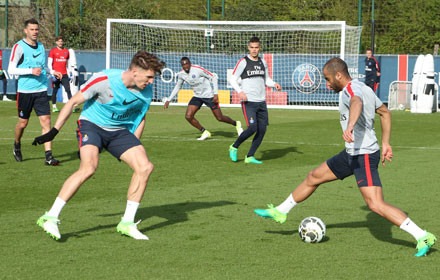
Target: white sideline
(226, 140)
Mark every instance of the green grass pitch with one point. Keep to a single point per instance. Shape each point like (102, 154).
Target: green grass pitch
(198, 208)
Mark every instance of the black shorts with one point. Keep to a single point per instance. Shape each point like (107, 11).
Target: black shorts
(255, 112)
(209, 102)
(372, 84)
(364, 167)
(116, 142)
(28, 101)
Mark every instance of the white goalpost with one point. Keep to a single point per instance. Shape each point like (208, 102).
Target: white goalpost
(399, 97)
(295, 53)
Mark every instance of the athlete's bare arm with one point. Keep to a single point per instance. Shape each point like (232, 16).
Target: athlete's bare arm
(385, 122)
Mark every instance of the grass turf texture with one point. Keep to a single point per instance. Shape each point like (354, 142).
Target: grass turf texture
(198, 208)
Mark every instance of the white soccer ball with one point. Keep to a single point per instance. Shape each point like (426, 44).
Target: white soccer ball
(311, 230)
(401, 107)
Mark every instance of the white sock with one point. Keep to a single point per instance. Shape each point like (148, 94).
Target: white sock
(411, 228)
(56, 207)
(130, 211)
(287, 205)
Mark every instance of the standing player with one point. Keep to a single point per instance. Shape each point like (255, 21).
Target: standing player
(28, 61)
(253, 72)
(4, 96)
(113, 118)
(200, 80)
(372, 70)
(358, 105)
(57, 63)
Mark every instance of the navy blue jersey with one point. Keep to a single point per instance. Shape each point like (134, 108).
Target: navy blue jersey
(371, 69)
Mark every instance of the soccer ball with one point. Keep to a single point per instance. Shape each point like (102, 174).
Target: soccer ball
(401, 107)
(311, 230)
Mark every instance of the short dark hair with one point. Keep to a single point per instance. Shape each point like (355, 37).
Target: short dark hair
(58, 38)
(368, 49)
(254, 39)
(335, 65)
(183, 59)
(147, 61)
(30, 21)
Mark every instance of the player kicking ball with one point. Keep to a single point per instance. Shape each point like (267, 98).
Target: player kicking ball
(357, 107)
(200, 80)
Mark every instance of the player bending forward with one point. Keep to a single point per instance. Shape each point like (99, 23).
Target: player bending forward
(357, 106)
(200, 80)
(113, 118)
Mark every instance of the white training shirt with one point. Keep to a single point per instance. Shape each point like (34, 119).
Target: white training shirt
(200, 81)
(365, 140)
(254, 78)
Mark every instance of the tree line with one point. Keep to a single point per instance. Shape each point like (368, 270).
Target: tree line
(404, 27)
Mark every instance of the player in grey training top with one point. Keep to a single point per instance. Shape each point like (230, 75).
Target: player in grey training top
(253, 72)
(200, 80)
(364, 133)
(358, 105)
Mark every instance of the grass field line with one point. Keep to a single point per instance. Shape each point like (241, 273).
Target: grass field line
(183, 139)
(179, 139)
(193, 139)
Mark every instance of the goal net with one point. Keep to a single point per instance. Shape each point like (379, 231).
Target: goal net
(399, 97)
(295, 53)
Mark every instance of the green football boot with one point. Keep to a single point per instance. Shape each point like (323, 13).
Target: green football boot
(271, 213)
(130, 229)
(50, 225)
(252, 160)
(424, 244)
(233, 153)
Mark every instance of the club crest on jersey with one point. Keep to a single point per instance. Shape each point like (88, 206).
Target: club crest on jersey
(85, 138)
(306, 78)
(251, 120)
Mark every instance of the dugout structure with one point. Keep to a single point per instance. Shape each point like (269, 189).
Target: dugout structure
(295, 53)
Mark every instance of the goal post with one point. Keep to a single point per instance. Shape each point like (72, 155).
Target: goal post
(399, 97)
(295, 53)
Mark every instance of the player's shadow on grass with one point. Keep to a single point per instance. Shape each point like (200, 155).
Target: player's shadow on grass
(225, 133)
(61, 157)
(172, 213)
(378, 226)
(214, 134)
(176, 213)
(278, 153)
